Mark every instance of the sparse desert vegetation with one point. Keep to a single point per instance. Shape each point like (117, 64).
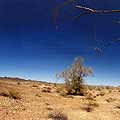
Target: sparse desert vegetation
(57, 116)
(74, 77)
(24, 102)
(10, 93)
(39, 38)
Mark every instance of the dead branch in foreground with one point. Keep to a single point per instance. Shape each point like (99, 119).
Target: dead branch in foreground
(94, 11)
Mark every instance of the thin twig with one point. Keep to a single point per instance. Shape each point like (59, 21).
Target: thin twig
(96, 11)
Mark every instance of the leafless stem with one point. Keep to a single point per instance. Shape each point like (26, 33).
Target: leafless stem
(96, 11)
(85, 8)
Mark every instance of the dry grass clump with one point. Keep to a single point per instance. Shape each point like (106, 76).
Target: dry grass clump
(14, 94)
(63, 93)
(110, 99)
(46, 89)
(98, 88)
(58, 116)
(10, 93)
(36, 86)
(118, 90)
(90, 97)
(118, 106)
(38, 95)
(90, 106)
(49, 108)
(18, 83)
(102, 93)
(70, 92)
(60, 88)
(4, 92)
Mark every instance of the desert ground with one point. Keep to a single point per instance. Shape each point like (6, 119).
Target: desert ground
(32, 100)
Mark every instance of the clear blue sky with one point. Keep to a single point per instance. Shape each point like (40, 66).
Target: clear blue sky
(31, 48)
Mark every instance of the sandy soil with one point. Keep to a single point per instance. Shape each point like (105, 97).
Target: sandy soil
(36, 100)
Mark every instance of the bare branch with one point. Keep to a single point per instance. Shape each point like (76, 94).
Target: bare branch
(96, 11)
(85, 8)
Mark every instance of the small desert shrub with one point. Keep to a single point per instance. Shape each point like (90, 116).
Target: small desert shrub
(102, 93)
(49, 108)
(61, 88)
(58, 116)
(94, 104)
(108, 87)
(4, 92)
(14, 94)
(35, 86)
(89, 107)
(18, 83)
(46, 89)
(109, 91)
(47, 104)
(38, 95)
(90, 97)
(118, 90)
(110, 100)
(55, 85)
(40, 84)
(99, 88)
(118, 106)
(10, 93)
(63, 94)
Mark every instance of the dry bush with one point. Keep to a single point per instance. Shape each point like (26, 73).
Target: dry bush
(10, 93)
(18, 83)
(4, 92)
(98, 88)
(36, 86)
(47, 104)
(110, 99)
(109, 91)
(108, 87)
(90, 97)
(14, 94)
(38, 95)
(90, 106)
(94, 104)
(58, 116)
(49, 108)
(118, 107)
(60, 88)
(46, 89)
(87, 108)
(101, 93)
(63, 92)
(119, 90)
